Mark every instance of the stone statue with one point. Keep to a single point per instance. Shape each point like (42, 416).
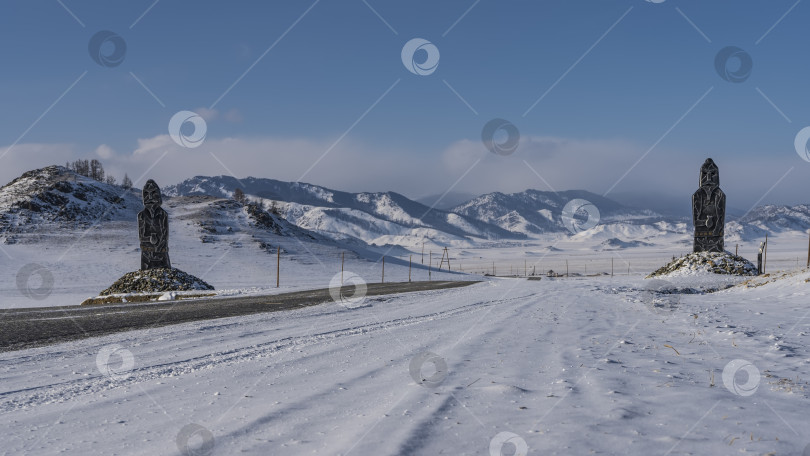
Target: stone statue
(153, 229)
(709, 210)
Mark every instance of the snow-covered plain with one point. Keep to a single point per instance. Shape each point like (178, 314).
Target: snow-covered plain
(593, 365)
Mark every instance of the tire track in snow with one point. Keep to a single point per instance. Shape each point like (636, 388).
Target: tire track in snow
(64, 391)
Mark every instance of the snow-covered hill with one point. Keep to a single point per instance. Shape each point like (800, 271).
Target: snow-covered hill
(379, 218)
(54, 197)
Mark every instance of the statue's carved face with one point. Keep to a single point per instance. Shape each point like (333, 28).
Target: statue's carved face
(151, 194)
(709, 175)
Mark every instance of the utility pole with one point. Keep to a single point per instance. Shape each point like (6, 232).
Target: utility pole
(566, 268)
(278, 266)
(611, 267)
(423, 252)
(525, 270)
(383, 271)
(342, 260)
(808, 252)
(410, 261)
(445, 253)
(430, 263)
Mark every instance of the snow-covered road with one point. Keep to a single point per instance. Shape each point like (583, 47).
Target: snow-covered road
(577, 366)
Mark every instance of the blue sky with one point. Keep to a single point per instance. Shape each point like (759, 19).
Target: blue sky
(619, 77)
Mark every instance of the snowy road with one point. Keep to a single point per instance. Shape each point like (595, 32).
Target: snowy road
(24, 328)
(577, 366)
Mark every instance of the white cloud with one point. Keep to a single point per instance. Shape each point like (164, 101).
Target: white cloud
(207, 114)
(25, 157)
(105, 152)
(153, 144)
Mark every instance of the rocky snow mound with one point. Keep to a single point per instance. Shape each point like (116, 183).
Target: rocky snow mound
(156, 281)
(707, 263)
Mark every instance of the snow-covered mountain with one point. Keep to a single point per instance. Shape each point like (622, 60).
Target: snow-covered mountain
(533, 212)
(769, 219)
(779, 218)
(374, 218)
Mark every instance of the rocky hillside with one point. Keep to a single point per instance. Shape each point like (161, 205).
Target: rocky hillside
(55, 195)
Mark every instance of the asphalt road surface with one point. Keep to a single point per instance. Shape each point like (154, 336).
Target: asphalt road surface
(33, 327)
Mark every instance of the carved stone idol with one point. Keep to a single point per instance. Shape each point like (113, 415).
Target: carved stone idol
(709, 210)
(153, 229)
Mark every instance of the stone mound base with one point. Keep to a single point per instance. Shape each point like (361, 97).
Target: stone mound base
(707, 262)
(156, 281)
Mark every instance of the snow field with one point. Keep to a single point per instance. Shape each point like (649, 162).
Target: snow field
(568, 366)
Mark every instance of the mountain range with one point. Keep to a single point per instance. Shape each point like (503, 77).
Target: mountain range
(55, 195)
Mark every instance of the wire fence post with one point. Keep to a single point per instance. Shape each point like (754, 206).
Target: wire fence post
(765, 255)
